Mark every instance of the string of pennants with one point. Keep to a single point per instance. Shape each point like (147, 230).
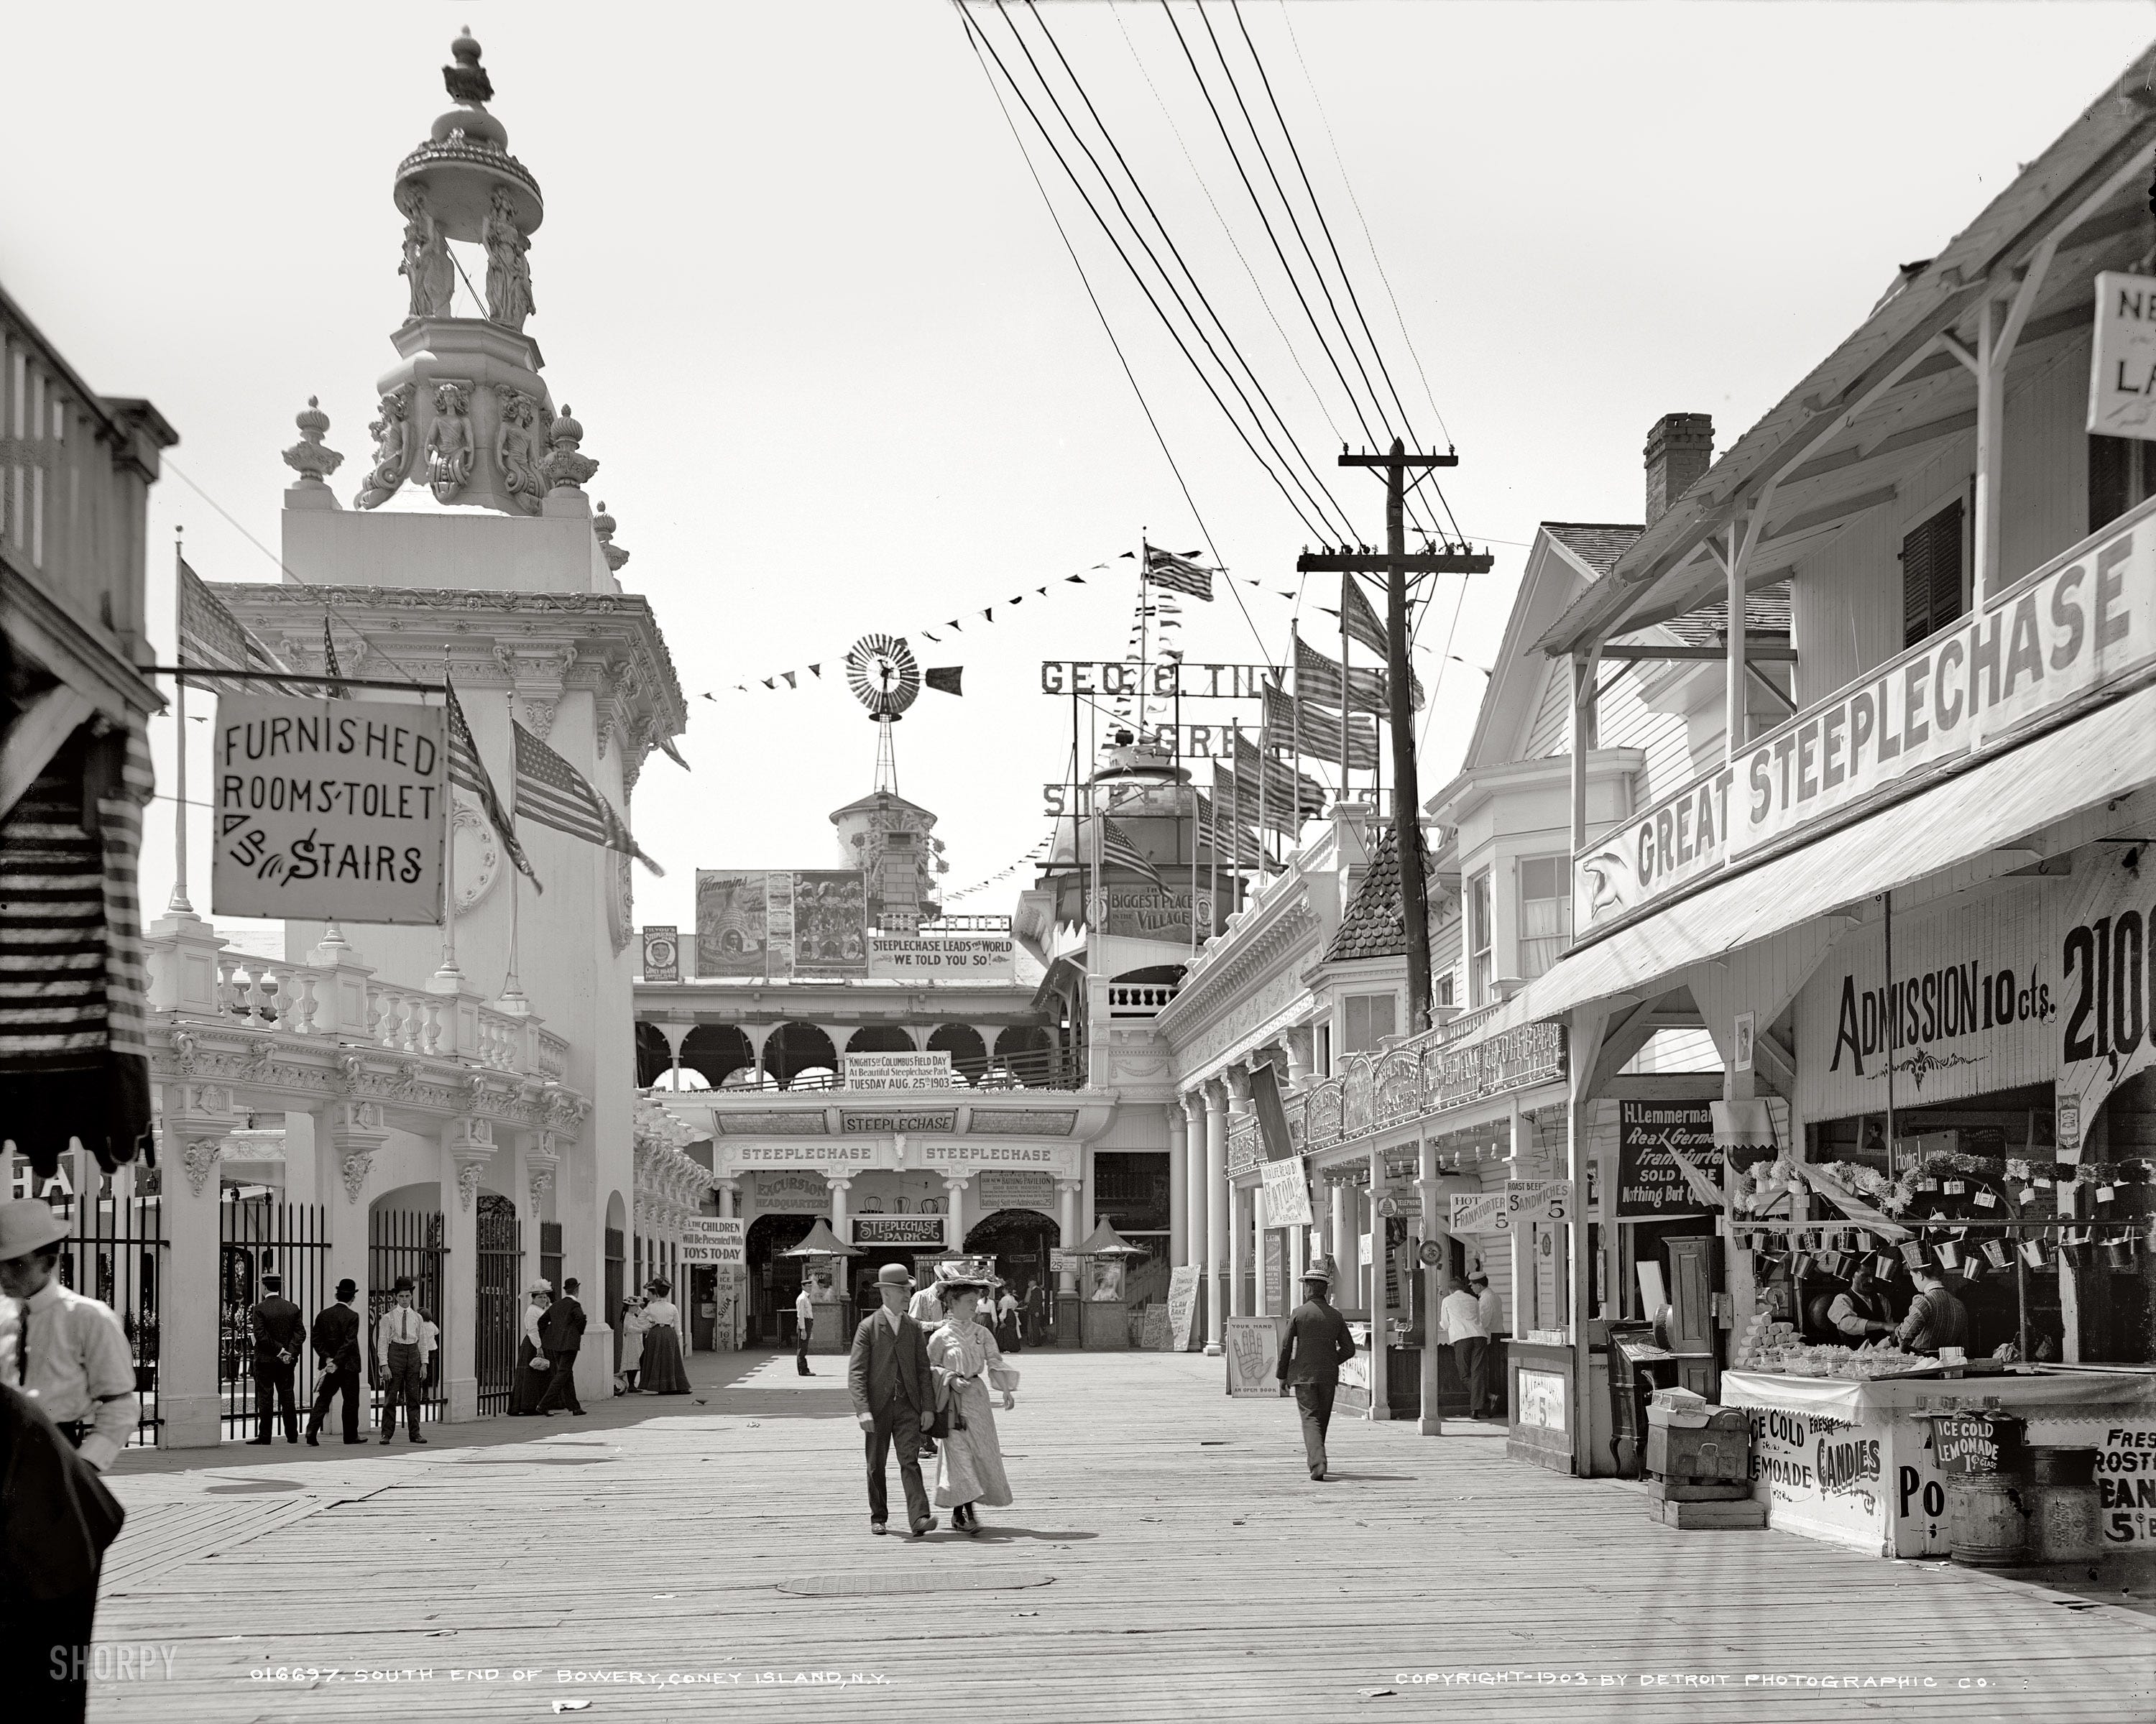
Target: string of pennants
(1034, 854)
(1160, 572)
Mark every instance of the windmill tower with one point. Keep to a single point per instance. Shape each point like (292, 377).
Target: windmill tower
(886, 678)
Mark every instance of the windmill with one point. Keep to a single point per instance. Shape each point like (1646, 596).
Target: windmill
(886, 678)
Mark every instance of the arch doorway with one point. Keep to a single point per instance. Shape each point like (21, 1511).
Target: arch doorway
(879, 1039)
(717, 1051)
(793, 1048)
(1020, 1240)
(774, 1281)
(863, 1271)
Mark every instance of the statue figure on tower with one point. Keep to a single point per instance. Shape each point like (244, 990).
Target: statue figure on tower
(508, 270)
(428, 267)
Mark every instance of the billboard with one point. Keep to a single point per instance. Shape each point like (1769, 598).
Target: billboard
(662, 954)
(958, 957)
(830, 922)
(732, 924)
(329, 810)
(778, 923)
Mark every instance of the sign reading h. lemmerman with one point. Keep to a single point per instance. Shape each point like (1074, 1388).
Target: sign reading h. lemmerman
(1649, 1135)
(328, 810)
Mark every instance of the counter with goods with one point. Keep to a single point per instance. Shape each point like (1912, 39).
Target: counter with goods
(1842, 1437)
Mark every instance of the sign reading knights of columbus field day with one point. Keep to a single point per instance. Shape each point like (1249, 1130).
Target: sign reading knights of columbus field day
(329, 810)
(1650, 1183)
(2083, 621)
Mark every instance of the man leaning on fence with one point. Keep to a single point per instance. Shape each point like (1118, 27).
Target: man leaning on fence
(66, 1351)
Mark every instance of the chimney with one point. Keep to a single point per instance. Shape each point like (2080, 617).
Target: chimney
(1680, 448)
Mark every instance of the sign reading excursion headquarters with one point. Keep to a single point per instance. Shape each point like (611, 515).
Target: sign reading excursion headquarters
(329, 810)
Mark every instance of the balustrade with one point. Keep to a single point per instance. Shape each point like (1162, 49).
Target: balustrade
(267, 991)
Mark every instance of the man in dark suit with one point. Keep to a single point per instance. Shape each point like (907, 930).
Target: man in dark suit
(279, 1329)
(336, 1339)
(1318, 1345)
(562, 1330)
(893, 1393)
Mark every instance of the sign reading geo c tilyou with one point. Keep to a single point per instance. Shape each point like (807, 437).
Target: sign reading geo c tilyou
(2084, 620)
(329, 810)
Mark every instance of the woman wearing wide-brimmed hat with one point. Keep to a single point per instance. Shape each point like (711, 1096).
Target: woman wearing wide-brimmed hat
(663, 1373)
(530, 1382)
(967, 1366)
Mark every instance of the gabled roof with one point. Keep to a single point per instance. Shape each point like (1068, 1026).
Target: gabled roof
(1598, 544)
(1766, 612)
(1373, 925)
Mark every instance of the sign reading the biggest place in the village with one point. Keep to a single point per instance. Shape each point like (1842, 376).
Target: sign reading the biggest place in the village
(2083, 620)
(2122, 358)
(1150, 912)
(329, 810)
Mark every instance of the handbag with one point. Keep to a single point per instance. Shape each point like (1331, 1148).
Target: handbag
(1003, 1379)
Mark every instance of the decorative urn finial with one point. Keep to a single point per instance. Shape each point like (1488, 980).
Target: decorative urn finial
(603, 524)
(451, 184)
(567, 467)
(309, 458)
(466, 81)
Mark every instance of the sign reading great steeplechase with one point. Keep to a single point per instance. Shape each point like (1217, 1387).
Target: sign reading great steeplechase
(329, 810)
(2085, 620)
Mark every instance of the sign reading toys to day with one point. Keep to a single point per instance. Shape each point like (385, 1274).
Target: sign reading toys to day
(1651, 1183)
(718, 1240)
(329, 810)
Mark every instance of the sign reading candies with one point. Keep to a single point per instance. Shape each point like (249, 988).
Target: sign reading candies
(329, 810)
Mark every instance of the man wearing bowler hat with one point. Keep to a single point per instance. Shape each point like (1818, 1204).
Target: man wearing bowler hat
(893, 1393)
(278, 1330)
(398, 1339)
(66, 1352)
(335, 1337)
(1317, 1346)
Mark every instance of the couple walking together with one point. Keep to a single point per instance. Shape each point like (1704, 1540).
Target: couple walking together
(907, 1382)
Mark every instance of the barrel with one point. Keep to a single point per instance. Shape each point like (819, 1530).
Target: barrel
(1987, 1525)
(2064, 1523)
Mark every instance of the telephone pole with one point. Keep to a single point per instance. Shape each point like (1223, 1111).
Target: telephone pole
(1396, 564)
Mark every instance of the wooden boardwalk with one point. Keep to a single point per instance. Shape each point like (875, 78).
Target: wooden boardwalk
(709, 1555)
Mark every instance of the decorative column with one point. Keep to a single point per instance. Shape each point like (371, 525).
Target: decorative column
(1193, 1189)
(1343, 1246)
(1526, 1307)
(839, 1186)
(954, 1191)
(467, 1146)
(1178, 1194)
(1067, 1316)
(1241, 1203)
(348, 1134)
(1380, 1330)
(1089, 1195)
(196, 1119)
(1430, 1278)
(1216, 1213)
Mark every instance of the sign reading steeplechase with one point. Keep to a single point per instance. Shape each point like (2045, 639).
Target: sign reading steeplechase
(329, 810)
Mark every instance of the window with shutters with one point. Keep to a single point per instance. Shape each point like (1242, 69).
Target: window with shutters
(1931, 595)
(2122, 472)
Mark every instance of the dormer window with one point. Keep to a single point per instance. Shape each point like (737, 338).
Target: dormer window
(1545, 912)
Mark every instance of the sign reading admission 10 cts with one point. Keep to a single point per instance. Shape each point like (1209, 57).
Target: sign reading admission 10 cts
(329, 810)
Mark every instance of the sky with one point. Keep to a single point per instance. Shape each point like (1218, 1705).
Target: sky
(842, 376)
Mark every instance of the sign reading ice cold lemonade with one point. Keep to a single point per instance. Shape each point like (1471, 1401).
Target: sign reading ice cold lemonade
(328, 810)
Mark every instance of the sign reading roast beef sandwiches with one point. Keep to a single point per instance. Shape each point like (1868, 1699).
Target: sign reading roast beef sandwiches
(2082, 621)
(1651, 1184)
(717, 1240)
(329, 810)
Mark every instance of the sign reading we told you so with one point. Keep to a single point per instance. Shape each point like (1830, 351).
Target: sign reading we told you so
(329, 810)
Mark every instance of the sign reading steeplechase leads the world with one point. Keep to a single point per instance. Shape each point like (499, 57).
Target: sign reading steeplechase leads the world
(329, 810)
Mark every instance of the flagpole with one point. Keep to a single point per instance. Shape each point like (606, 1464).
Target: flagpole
(512, 990)
(448, 979)
(1145, 590)
(1294, 725)
(179, 905)
(1345, 712)
(1235, 813)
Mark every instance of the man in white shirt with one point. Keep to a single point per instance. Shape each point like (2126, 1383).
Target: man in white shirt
(1460, 1321)
(67, 1353)
(400, 1342)
(804, 1325)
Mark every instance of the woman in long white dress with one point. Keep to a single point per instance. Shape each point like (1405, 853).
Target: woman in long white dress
(968, 1366)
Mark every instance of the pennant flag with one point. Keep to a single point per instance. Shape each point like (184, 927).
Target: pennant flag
(990, 614)
(330, 660)
(1116, 846)
(468, 769)
(1180, 574)
(953, 623)
(769, 683)
(1041, 590)
(667, 748)
(555, 793)
(816, 671)
(1080, 580)
(790, 682)
(1317, 731)
(1361, 622)
(932, 637)
(945, 678)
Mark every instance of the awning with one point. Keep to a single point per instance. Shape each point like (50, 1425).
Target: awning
(2105, 754)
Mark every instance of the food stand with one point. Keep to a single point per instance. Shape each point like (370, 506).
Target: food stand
(1848, 1457)
(1104, 1320)
(834, 1325)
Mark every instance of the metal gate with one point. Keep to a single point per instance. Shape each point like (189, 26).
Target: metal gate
(495, 1306)
(405, 1242)
(612, 1292)
(258, 1236)
(114, 1253)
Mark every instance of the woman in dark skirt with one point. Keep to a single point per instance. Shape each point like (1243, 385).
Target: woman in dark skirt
(663, 1372)
(529, 1383)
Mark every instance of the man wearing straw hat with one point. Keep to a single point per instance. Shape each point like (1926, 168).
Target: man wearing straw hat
(1317, 1344)
(66, 1351)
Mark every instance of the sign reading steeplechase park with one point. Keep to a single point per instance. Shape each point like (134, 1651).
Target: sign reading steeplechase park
(329, 810)
(2085, 620)
(899, 1230)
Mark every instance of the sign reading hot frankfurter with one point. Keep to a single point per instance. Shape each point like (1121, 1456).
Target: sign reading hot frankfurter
(2084, 620)
(329, 810)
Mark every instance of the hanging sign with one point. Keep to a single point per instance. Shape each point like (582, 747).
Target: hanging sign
(1287, 1193)
(1015, 1191)
(1537, 1200)
(329, 810)
(899, 1230)
(2122, 358)
(896, 1071)
(1650, 1183)
(719, 1240)
(1149, 912)
(1480, 1211)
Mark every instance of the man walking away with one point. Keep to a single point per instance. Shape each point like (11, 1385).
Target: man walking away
(888, 1377)
(1460, 1321)
(56, 1520)
(67, 1353)
(398, 1348)
(336, 1339)
(804, 1325)
(562, 1330)
(1318, 1345)
(278, 1329)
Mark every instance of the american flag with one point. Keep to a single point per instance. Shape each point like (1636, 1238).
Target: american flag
(1180, 574)
(468, 769)
(1116, 846)
(1361, 622)
(556, 794)
(330, 666)
(1317, 731)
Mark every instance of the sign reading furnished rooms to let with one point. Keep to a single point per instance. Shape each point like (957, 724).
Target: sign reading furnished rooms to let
(2084, 620)
(328, 810)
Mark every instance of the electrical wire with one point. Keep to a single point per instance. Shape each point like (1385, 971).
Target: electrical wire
(1174, 251)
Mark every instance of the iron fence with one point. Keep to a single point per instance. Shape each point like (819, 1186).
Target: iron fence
(405, 1242)
(257, 1236)
(498, 1297)
(114, 1253)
